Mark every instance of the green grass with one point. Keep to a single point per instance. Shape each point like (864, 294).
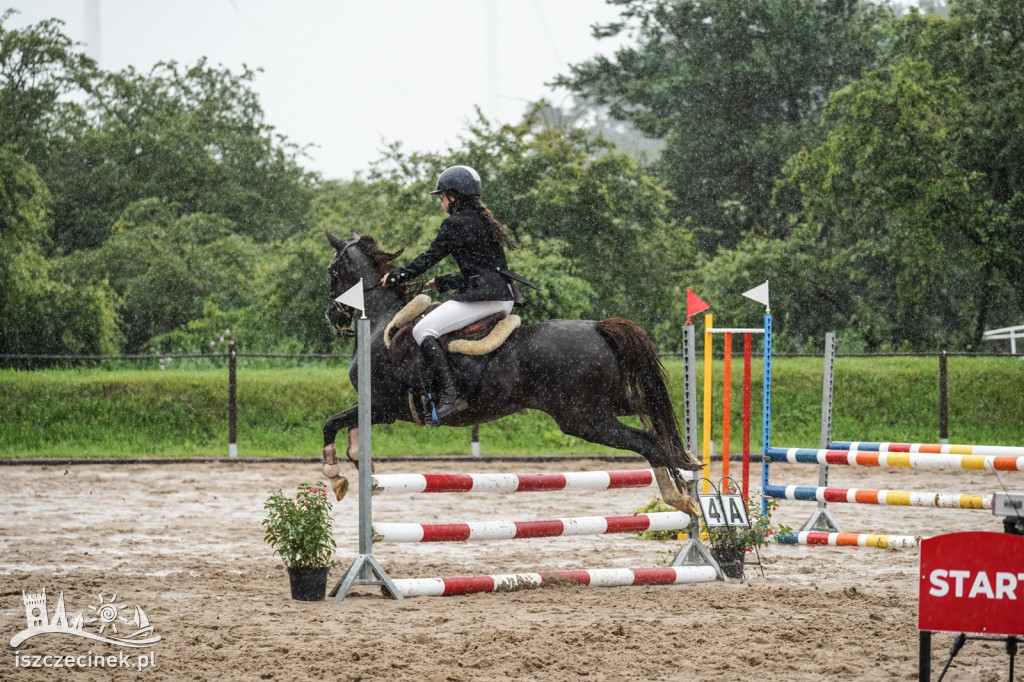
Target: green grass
(182, 413)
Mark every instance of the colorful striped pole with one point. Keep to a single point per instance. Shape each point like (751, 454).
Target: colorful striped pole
(519, 530)
(850, 540)
(512, 582)
(397, 484)
(896, 498)
(896, 459)
(943, 449)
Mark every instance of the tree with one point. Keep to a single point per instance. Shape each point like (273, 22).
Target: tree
(194, 137)
(916, 188)
(39, 68)
(167, 270)
(733, 87)
(41, 312)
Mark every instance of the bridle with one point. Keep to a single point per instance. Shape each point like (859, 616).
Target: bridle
(340, 316)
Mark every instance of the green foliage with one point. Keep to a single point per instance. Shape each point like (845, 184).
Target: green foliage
(654, 506)
(39, 67)
(168, 269)
(733, 88)
(192, 137)
(300, 530)
(40, 311)
(920, 167)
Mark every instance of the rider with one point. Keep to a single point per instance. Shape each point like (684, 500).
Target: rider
(482, 287)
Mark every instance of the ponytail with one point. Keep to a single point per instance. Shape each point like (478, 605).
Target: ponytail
(462, 203)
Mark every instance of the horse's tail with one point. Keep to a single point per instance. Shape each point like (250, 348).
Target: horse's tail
(646, 389)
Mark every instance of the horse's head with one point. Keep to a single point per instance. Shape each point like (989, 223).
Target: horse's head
(359, 258)
(340, 316)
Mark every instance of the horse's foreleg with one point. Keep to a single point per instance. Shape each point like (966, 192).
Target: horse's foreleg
(672, 495)
(346, 419)
(335, 423)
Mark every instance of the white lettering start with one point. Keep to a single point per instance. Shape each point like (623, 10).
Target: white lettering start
(1004, 586)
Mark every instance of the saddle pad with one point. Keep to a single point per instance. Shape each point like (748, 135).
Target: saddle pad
(479, 338)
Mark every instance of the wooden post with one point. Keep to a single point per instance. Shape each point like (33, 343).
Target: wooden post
(924, 656)
(232, 405)
(943, 398)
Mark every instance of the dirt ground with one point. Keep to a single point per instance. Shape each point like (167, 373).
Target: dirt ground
(184, 542)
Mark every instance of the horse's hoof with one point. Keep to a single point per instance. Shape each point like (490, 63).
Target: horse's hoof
(340, 486)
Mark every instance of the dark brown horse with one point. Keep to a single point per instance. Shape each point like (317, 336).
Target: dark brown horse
(585, 374)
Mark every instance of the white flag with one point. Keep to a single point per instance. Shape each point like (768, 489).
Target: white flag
(759, 293)
(353, 297)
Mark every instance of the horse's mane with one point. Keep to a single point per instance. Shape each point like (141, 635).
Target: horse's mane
(382, 260)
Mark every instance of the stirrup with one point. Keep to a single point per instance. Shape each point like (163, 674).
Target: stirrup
(458, 405)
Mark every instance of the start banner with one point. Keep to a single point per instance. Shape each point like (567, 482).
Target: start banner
(972, 582)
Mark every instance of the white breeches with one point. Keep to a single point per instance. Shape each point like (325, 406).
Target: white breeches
(452, 315)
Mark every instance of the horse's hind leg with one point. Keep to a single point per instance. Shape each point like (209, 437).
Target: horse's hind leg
(613, 433)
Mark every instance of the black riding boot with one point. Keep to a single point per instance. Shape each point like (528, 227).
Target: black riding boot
(446, 395)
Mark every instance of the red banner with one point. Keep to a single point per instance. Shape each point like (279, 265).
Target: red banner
(972, 582)
(694, 304)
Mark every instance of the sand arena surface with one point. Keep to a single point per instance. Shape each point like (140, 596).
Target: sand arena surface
(184, 542)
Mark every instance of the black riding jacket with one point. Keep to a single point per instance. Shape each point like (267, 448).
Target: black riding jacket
(483, 272)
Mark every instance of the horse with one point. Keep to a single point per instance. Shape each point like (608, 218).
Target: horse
(585, 374)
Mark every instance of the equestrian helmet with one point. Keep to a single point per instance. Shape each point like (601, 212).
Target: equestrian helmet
(462, 179)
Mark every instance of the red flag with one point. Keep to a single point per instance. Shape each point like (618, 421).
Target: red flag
(693, 304)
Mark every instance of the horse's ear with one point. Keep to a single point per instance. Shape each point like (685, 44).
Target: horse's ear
(335, 242)
(355, 236)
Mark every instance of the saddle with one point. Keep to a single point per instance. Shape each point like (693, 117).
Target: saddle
(469, 351)
(479, 338)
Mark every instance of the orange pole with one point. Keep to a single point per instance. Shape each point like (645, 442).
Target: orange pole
(726, 403)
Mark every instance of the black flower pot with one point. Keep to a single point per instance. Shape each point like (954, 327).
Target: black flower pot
(308, 584)
(730, 560)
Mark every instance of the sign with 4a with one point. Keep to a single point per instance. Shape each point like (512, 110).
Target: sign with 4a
(723, 510)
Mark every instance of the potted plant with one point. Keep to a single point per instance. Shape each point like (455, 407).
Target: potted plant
(730, 544)
(301, 531)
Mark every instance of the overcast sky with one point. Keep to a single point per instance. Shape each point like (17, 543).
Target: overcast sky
(347, 76)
